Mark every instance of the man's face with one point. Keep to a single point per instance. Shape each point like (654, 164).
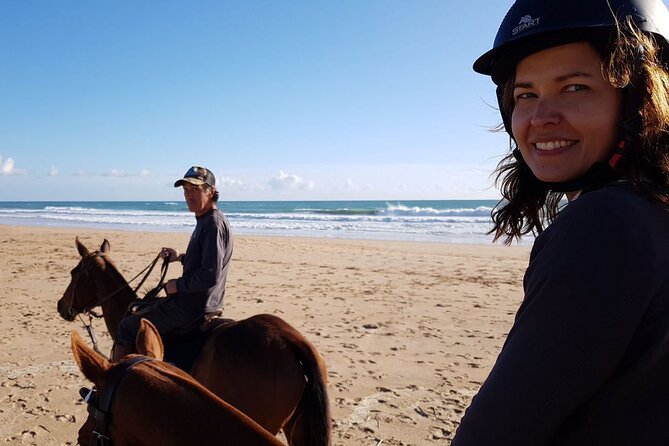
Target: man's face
(198, 198)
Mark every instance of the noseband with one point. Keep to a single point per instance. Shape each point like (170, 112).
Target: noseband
(100, 409)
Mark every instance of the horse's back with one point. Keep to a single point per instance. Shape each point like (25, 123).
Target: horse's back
(251, 364)
(259, 365)
(183, 349)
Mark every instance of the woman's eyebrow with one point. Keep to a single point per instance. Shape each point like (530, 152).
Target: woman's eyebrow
(522, 85)
(564, 77)
(561, 78)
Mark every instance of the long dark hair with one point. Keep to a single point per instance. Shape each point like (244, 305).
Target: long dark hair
(633, 62)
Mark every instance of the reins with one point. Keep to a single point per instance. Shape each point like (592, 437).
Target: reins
(161, 283)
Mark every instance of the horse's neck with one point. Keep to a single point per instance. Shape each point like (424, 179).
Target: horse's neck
(177, 392)
(114, 308)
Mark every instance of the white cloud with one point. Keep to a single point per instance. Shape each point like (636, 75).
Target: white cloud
(53, 172)
(289, 182)
(120, 173)
(229, 183)
(6, 166)
(351, 186)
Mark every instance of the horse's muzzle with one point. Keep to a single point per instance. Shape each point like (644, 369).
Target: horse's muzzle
(66, 311)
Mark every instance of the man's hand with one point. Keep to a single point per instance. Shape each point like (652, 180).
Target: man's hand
(169, 253)
(171, 286)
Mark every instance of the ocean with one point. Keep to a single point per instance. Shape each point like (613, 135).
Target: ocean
(447, 221)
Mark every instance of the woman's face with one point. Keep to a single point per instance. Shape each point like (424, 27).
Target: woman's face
(565, 116)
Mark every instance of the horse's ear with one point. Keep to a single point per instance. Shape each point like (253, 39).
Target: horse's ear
(91, 364)
(83, 251)
(148, 341)
(104, 249)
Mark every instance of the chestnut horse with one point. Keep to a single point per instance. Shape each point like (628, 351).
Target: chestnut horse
(144, 401)
(261, 365)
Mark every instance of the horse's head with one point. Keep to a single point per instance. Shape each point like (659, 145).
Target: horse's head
(82, 293)
(106, 377)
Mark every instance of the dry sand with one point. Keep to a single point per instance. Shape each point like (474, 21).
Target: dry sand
(408, 330)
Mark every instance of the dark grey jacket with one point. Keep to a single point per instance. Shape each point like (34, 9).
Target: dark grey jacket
(206, 262)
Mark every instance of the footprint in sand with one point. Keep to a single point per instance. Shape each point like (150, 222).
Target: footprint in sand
(68, 418)
(37, 435)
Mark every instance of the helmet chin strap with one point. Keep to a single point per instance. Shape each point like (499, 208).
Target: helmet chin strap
(598, 175)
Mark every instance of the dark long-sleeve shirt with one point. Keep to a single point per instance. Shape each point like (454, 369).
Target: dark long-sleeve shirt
(587, 359)
(205, 264)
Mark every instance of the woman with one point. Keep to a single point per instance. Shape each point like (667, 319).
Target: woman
(584, 95)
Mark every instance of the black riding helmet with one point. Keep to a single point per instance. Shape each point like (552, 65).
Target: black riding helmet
(534, 25)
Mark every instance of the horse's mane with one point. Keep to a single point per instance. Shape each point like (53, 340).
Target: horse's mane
(174, 396)
(174, 374)
(111, 266)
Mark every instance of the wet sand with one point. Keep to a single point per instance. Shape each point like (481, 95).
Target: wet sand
(408, 330)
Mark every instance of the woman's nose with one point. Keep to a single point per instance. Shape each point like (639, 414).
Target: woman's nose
(545, 112)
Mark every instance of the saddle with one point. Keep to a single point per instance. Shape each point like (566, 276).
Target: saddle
(183, 345)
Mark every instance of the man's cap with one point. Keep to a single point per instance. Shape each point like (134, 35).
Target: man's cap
(197, 175)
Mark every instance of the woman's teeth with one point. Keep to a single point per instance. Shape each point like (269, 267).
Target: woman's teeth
(552, 145)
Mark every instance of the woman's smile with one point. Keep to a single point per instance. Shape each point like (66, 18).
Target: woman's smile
(552, 146)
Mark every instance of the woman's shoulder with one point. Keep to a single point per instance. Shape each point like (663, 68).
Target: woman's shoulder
(616, 216)
(617, 203)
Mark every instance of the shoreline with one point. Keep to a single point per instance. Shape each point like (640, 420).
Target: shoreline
(408, 330)
(178, 233)
(527, 242)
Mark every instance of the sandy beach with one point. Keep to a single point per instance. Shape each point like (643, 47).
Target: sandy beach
(408, 330)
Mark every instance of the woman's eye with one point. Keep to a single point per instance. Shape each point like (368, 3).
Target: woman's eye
(525, 95)
(575, 87)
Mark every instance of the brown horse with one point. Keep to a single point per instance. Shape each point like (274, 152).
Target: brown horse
(148, 402)
(261, 365)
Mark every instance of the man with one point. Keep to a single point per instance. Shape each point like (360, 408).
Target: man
(201, 288)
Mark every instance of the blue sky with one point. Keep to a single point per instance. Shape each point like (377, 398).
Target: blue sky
(345, 99)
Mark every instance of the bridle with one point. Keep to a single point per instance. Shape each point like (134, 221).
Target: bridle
(83, 269)
(100, 409)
